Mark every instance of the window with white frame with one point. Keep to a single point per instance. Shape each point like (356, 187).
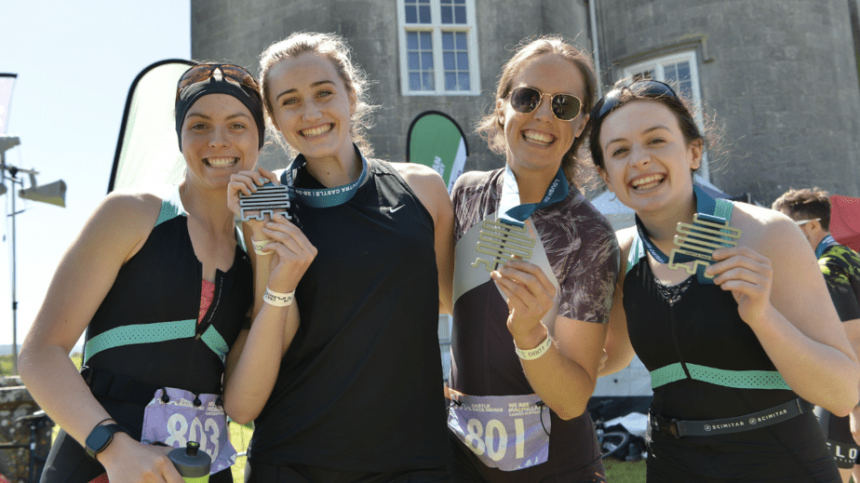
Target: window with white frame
(681, 70)
(438, 47)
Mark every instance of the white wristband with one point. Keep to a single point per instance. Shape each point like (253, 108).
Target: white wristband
(278, 299)
(259, 245)
(531, 354)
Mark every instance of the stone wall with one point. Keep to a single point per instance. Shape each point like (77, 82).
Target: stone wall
(779, 76)
(239, 30)
(15, 403)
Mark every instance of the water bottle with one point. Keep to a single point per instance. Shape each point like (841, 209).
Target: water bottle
(193, 465)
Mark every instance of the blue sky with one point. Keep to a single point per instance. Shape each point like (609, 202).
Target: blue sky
(75, 63)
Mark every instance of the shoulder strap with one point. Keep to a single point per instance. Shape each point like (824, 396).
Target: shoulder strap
(171, 207)
(637, 252)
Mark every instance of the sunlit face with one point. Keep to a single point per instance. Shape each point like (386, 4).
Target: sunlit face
(311, 106)
(537, 140)
(219, 138)
(647, 160)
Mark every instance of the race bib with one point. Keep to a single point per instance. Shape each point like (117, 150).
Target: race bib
(505, 432)
(178, 421)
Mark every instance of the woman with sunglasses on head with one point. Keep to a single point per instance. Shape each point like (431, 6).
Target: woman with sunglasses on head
(358, 390)
(535, 270)
(163, 288)
(735, 347)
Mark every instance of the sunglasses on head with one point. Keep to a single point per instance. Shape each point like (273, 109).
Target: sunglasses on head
(203, 72)
(565, 107)
(641, 88)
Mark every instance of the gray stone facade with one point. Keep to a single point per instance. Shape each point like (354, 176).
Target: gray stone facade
(778, 76)
(238, 31)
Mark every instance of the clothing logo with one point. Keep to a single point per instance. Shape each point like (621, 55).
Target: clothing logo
(707, 427)
(753, 421)
(392, 210)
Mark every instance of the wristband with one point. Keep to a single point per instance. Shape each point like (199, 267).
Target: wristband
(259, 245)
(532, 354)
(278, 299)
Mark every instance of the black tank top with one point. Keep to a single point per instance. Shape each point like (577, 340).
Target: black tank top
(360, 388)
(156, 295)
(699, 329)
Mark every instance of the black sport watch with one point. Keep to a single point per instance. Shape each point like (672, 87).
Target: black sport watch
(100, 437)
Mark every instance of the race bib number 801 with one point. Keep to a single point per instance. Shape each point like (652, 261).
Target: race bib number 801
(505, 432)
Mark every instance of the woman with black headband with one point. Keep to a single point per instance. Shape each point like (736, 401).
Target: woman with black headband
(721, 302)
(358, 393)
(529, 331)
(162, 286)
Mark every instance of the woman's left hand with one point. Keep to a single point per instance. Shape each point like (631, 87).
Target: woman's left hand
(749, 276)
(530, 296)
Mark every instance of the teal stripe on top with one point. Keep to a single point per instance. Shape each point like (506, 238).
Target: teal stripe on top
(140, 334)
(720, 377)
(637, 251)
(215, 342)
(153, 333)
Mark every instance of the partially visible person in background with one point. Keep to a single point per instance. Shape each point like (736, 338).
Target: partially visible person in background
(810, 209)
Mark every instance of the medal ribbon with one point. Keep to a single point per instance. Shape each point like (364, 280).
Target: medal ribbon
(826, 243)
(514, 213)
(704, 204)
(322, 198)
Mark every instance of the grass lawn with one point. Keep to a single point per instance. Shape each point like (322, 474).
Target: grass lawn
(624, 472)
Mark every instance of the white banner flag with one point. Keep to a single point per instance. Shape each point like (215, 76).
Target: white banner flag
(6, 83)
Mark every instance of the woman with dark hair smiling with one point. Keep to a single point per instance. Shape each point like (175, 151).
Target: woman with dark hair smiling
(162, 286)
(727, 322)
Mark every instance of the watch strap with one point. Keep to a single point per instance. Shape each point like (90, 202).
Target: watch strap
(113, 428)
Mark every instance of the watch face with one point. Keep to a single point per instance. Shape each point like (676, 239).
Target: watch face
(99, 439)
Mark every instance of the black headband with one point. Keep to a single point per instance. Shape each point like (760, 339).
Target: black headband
(221, 85)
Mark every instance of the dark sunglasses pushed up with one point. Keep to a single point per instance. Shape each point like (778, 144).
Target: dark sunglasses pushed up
(641, 88)
(203, 72)
(565, 107)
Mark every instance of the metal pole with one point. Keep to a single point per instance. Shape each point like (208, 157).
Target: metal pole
(14, 278)
(592, 17)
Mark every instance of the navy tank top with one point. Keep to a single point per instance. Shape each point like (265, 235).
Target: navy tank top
(146, 328)
(360, 388)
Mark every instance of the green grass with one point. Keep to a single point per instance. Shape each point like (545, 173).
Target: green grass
(6, 365)
(624, 472)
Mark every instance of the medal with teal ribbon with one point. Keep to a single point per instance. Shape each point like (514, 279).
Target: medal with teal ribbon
(326, 197)
(514, 213)
(508, 236)
(696, 242)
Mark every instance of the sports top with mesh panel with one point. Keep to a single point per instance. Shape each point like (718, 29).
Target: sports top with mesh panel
(360, 387)
(706, 363)
(145, 332)
(841, 268)
(583, 254)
